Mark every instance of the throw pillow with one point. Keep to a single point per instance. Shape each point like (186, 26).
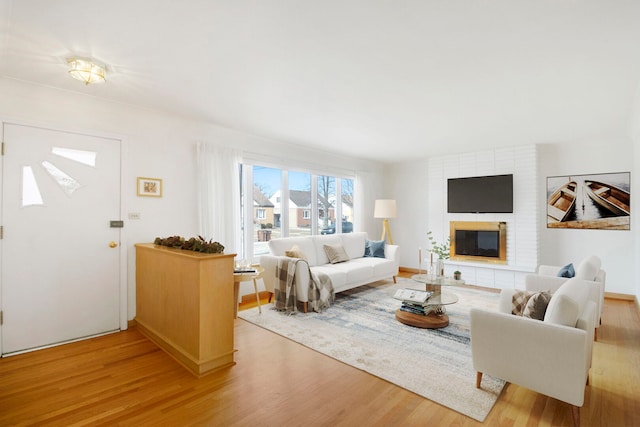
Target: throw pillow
(567, 271)
(336, 253)
(537, 305)
(519, 301)
(374, 248)
(295, 252)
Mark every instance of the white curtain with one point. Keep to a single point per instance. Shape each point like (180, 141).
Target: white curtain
(219, 195)
(362, 201)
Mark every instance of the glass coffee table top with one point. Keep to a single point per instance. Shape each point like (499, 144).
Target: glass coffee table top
(430, 279)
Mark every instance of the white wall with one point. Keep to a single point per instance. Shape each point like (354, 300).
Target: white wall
(422, 187)
(410, 183)
(634, 128)
(614, 247)
(162, 146)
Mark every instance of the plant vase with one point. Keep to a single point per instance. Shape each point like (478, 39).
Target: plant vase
(439, 268)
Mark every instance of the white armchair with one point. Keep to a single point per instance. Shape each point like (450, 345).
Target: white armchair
(589, 270)
(552, 356)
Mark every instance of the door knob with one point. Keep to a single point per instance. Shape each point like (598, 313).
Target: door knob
(113, 244)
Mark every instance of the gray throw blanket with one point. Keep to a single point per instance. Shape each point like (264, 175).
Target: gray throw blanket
(321, 293)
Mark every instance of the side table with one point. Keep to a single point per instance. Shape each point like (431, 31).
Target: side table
(245, 277)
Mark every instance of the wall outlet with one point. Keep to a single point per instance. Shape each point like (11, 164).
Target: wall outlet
(134, 215)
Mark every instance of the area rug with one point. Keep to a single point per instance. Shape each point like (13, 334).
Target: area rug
(360, 329)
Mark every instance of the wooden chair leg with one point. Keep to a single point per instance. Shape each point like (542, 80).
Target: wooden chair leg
(575, 415)
(394, 279)
(306, 307)
(478, 379)
(270, 296)
(595, 334)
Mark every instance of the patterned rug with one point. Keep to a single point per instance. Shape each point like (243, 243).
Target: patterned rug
(360, 329)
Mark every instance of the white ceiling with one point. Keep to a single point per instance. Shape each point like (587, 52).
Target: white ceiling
(383, 80)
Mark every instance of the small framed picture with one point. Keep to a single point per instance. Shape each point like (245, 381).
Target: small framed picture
(149, 187)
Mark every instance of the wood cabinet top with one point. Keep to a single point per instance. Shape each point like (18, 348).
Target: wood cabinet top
(181, 252)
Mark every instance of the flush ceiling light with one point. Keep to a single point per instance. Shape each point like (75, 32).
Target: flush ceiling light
(86, 70)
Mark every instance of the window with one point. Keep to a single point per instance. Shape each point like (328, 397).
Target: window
(282, 203)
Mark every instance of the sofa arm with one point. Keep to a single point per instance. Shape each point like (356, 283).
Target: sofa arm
(547, 358)
(391, 252)
(270, 262)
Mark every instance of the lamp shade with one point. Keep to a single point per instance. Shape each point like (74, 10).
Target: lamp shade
(385, 208)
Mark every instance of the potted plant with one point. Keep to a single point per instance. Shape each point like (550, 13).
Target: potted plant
(457, 274)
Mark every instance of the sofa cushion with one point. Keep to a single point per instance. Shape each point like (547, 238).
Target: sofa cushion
(588, 269)
(374, 248)
(305, 244)
(537, 305)
(567, 271)
(354, 243)
(381, 266)
(336, 253)
(338, 277)
(319, 242)
(296, 252)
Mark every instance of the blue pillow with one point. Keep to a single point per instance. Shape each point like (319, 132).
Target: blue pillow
(567, 271)
(374, 248)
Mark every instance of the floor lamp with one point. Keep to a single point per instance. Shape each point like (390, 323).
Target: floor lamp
(385, 209)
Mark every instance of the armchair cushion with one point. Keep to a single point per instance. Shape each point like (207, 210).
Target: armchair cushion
(568, 302)
(567, 271)
(564, 311)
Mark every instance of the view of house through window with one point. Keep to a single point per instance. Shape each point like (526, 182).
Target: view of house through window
(283, 205)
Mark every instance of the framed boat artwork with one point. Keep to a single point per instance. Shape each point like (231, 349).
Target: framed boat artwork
(599, 201)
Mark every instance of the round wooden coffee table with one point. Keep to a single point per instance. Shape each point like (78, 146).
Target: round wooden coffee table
(437, 318)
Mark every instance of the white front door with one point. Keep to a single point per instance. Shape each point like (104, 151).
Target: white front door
(60, 276)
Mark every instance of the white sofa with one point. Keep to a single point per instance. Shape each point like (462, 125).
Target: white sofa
(550, 356)
(357, 271)
(588, 269)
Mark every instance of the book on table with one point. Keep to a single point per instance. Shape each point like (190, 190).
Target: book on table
(413, 296)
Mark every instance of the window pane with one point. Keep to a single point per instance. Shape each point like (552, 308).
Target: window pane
(267, 184)
(299, 203)
(347, 205)
(81, 156)
(67, 183)
(30, 191)
(326, 204)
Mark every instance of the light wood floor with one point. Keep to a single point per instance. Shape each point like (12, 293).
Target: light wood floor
(123, 379)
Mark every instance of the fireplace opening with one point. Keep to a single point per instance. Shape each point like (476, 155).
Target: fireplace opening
(479, 241)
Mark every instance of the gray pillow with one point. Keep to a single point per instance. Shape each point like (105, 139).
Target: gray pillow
(537, 305)
(374, 248)
(567, 271)
(336, 253)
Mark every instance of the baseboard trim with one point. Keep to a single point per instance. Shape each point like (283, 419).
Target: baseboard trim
(624, 297)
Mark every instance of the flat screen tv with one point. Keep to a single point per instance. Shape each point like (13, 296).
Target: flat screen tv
(480, 194)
